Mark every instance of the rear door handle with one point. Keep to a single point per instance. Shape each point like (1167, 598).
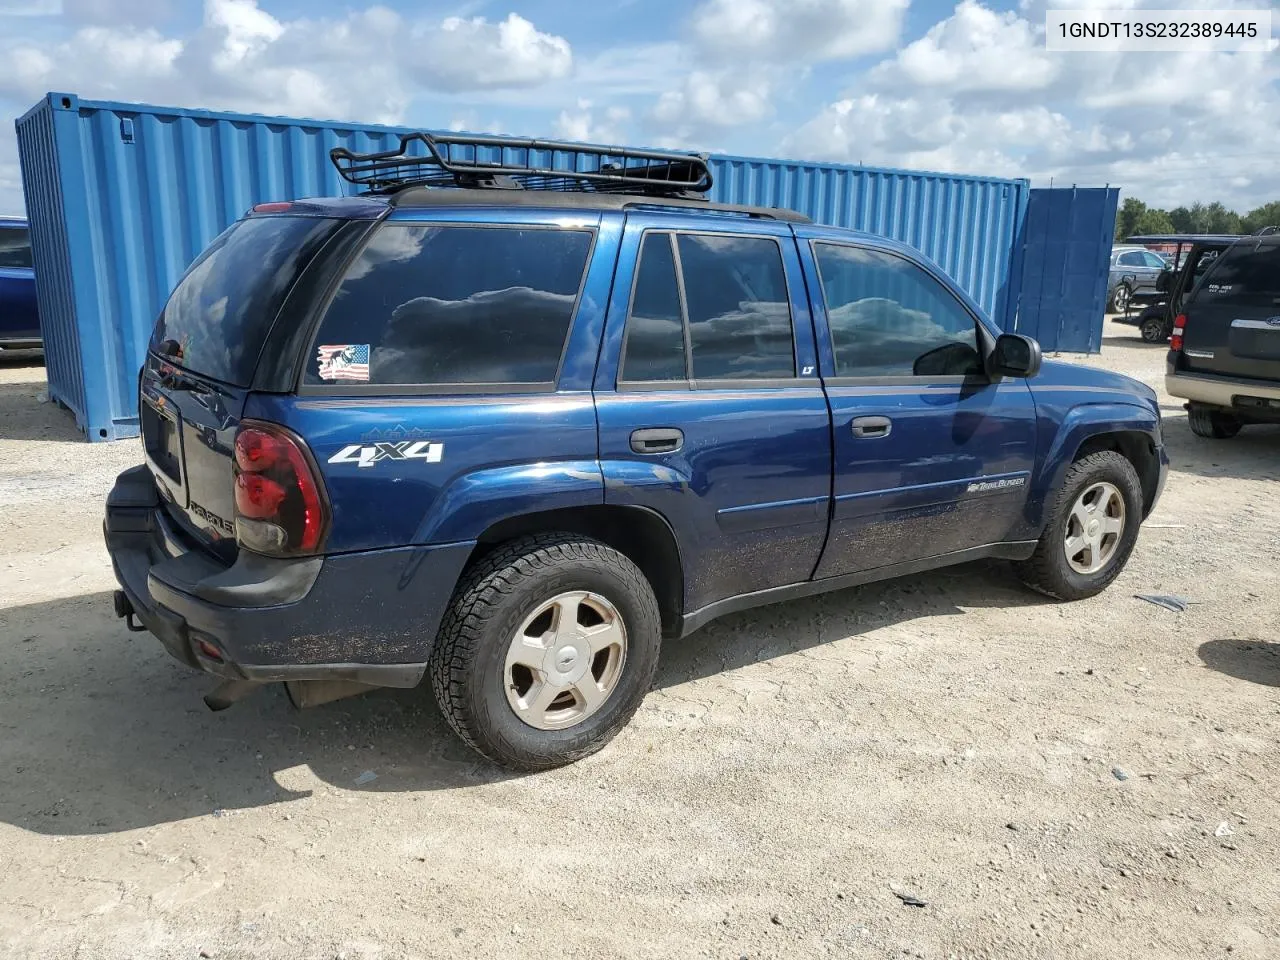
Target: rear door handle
(657, 440)
(871, 427)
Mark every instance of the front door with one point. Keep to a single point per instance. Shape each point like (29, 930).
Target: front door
(931, 457)
(710, 409)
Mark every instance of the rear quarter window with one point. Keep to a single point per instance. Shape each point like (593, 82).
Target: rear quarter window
(222, 310)
(436, 305)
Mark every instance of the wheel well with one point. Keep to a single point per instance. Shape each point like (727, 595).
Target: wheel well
(1137, 448)
(640, 534)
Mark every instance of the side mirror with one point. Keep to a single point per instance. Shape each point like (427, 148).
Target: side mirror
(1164, 282)
(1014, 356)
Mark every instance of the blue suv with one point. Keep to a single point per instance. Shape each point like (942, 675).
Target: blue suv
(19, 319)
(511, 425)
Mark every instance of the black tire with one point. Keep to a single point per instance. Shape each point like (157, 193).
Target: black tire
(1212, 424)
(1047, 570)
(1153, 330)
(1120, 298)
(468, 663)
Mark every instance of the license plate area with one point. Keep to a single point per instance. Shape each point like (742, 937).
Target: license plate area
(162, 441)
(1255, 340)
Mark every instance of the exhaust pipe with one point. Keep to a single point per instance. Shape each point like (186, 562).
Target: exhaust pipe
(312, 693)
(228, 692)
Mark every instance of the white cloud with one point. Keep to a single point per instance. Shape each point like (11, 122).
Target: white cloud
(798, 31)
(975, 49)
(460, 54)
(977, 94)
(366, 65)
(721, 98)
(591, 125)
(926, 134)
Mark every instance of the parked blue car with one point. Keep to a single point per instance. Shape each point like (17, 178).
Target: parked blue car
(511, 427)
(19, 319)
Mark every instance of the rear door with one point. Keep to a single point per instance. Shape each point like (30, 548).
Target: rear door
(19, 320)
(931, 457)
(710, 408)
(1233, 315)
(202, 358)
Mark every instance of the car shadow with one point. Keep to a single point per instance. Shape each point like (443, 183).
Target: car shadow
(103, 732)
(1253, 454)
(1257, 661)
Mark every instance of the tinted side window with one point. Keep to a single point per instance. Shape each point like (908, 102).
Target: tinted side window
(1131, 259)
(739, 317)
(890, 318)
(1247, 274)
(15, 248)
(453, 305)
(655, 328)
(1152, 260)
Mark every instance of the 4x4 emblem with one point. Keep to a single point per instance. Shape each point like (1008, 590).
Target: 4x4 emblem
(369, 454)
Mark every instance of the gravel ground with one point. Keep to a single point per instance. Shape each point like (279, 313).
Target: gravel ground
(1095, 779)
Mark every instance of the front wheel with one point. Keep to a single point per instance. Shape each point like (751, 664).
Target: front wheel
(547, 650)
(1092, 528)
(1120, 299)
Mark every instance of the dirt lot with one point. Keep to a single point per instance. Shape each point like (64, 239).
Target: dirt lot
(1096, 779)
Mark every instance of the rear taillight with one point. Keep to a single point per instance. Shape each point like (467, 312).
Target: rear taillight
(280, 502)
(1179, 326)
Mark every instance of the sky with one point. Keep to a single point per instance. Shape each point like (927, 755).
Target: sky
(962, 87)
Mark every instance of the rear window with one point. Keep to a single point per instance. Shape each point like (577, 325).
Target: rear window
(1248, 274)
(15, 247)
(219, 315)
(453, 305)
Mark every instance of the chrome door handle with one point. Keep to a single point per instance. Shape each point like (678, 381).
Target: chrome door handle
(871, 428)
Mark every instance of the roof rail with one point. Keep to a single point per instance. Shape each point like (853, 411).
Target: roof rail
(465, 160)
(1266, 232)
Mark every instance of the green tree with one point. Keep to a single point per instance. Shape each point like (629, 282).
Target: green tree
(1153, 221)
(1181, 219)
(1127, 218)
(1268, 215)
(1218, 219)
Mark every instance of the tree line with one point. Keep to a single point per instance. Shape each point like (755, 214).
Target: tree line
(1136, 218)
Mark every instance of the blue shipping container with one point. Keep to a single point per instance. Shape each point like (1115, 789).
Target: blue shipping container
(122, 197)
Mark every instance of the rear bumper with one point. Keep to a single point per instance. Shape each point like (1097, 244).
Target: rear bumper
(1221, 391)
(367, 617)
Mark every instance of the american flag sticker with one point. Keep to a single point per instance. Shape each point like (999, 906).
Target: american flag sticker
(344, 361)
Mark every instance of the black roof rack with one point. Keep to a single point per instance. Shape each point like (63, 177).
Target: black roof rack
(472, 161)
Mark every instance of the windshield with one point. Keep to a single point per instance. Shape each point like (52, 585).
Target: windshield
(1246, 274)
(219, 315)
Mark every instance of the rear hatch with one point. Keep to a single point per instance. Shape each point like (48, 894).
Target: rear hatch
(1233, 315)
(201, 363)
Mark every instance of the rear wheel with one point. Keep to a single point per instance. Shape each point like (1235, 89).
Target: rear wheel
(1211, 423)
(548, 648)
(1093, 525)
(1153, 330)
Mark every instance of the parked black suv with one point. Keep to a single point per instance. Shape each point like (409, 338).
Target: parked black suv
(1224, 355)
(1194, 255)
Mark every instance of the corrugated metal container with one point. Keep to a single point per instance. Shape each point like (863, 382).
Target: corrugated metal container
(122, 197)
